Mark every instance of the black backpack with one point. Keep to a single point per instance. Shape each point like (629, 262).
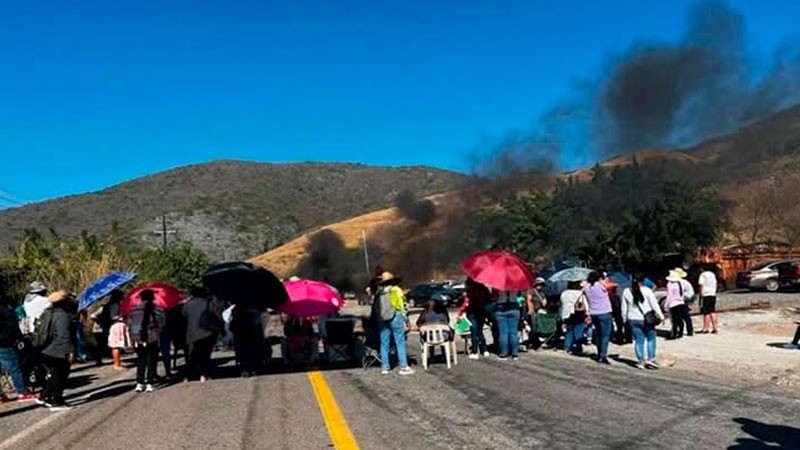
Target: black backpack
(43, 329)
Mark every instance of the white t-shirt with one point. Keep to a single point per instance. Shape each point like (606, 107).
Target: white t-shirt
(708, 284)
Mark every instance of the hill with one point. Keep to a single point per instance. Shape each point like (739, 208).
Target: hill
(757, 165)
(228, 209)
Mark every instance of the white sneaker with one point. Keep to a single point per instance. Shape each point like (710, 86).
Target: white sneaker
(474, 356)
(150, 388)
(385, 372)
(486, 354)
(406, 371)
(56, 408)
(139, 387)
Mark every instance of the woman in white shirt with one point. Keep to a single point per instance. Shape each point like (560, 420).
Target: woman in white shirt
(637, 302)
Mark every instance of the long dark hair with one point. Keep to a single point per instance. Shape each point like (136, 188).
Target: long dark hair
(594, 277)
(636, 288)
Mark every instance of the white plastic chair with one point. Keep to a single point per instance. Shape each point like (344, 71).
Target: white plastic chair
(437, 336)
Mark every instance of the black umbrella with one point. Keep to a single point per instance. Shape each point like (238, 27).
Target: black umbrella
(246, 285)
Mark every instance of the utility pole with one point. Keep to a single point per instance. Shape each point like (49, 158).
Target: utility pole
(366, 252)
(164, 231)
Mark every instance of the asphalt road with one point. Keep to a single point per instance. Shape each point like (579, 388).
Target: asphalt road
(544, 400)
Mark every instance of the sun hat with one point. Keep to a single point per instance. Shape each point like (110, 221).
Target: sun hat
(36, 287)
(680, 272)
(674, 276)
(539, 280)
(388, 277)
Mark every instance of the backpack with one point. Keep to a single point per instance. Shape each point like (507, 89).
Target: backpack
(43, 329)
(382, 308)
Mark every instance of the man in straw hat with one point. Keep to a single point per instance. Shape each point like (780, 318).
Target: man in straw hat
(58, 352)
(389, 311)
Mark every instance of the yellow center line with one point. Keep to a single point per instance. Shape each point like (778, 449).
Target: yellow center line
(338, 429)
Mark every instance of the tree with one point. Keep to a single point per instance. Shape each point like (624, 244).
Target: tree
(182, 267)
(523, 225)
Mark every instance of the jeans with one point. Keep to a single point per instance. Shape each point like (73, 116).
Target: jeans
(146, 360)
(58, 372)
(10, 364)
(478, 320)
(396, 328)
(642, 332)
(573, 340)
(602, 324)
(507, 318)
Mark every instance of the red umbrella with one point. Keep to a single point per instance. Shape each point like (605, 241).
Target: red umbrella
(499, 270)
(166, 296)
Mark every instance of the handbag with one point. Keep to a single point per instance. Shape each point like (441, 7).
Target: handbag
(580, 304)
(650, 317)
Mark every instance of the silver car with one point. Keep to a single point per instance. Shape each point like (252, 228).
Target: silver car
(762, 276)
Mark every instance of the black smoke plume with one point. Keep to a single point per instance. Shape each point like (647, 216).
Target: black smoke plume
(421, 211)
(329, 260)
(658, 95)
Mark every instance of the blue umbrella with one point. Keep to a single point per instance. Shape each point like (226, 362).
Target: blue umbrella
(102, 287)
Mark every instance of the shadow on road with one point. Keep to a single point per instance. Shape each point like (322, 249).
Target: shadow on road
(765, 436)
(783, 345)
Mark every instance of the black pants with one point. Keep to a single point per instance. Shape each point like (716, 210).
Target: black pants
(199, 357)
(58, 372)
(146, 360)
(676, 314)
(687, 319)
(796, 336)
(248, 342)
(101, 346)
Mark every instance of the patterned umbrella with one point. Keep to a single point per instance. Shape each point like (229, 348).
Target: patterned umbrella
(102, 287)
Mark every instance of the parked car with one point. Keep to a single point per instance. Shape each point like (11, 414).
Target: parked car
(763, 276)
(789, 276)
(420, 295)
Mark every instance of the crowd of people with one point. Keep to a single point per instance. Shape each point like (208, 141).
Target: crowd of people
(50, 330)
(43, 337)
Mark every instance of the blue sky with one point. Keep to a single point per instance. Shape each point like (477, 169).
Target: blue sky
(96, 93)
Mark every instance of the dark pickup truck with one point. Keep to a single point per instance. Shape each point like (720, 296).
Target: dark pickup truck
(789, 275)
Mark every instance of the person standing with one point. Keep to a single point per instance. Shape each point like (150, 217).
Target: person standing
(118, 332)
(688, 299)
(675, 304)
(637, 301)
(247, 326)
(390, 291)
(598, 305)
(474, 306)
(573, 317)
(708, 300)
(507, 318)
(35, 303)
(10, 337)
(147, 320)
(58, 352)
(203, 318)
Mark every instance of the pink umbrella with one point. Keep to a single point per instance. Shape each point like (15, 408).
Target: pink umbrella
(309, 298)
(167, 297)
